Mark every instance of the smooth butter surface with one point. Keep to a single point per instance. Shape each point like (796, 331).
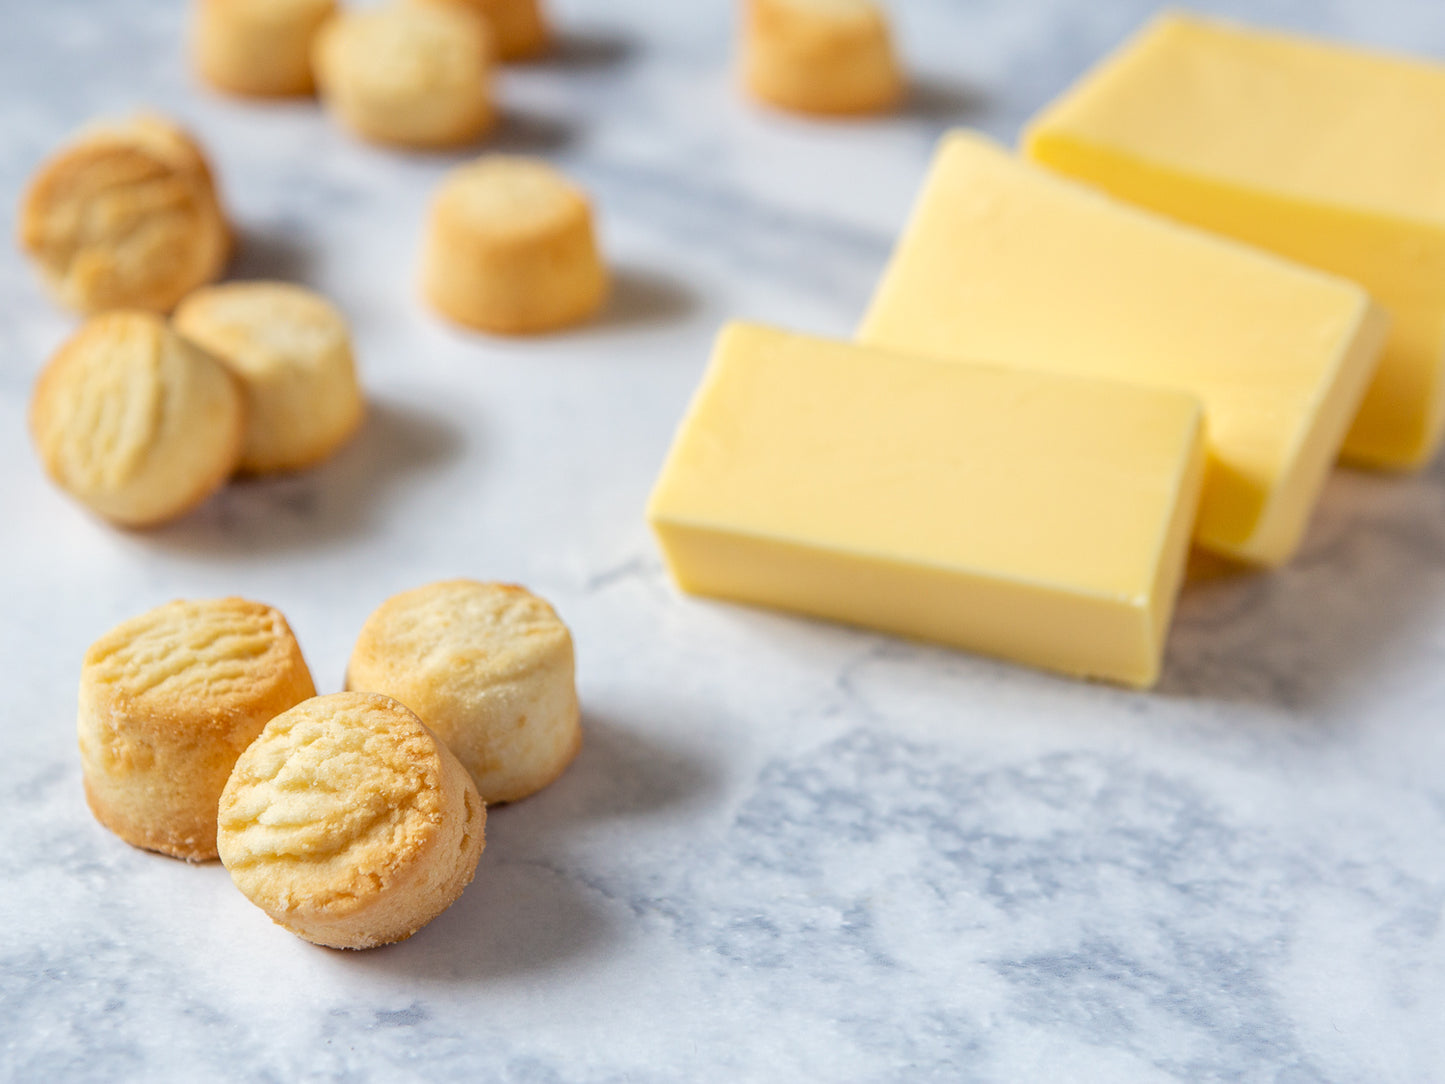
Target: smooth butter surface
(1039, 518)
(1003, 262)
(1331, 156)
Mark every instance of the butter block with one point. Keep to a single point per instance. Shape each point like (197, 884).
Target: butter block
(1004, 262)
(1030, 516)
(1330, 156)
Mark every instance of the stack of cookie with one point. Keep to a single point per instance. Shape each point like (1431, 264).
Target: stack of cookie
(125, 225)
(142, 419)
(510, 247)
(351, 819)
(413, 74)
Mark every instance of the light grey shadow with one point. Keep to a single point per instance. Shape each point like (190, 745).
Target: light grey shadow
(941, 101)
(639, 297)
(293, 511)
(276, 252)
(1369, 582)
(588, 50)
(533, 907)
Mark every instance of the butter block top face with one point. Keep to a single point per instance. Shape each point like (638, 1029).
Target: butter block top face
(1026, 477)
(1003, 262)
(1326, 155)
(1320, 122)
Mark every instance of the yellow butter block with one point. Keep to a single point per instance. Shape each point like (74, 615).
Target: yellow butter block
(1005, 262)
(1034, 517)
(1330, 156)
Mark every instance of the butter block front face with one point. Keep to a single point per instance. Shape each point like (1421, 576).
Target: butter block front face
(1005, 263)
(1038, 518)
(1330, 156)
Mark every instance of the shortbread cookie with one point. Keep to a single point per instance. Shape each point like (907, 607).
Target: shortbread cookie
(168, 701)
(349, 823)
(258, 47)
(291, 351)
(489, 667)
(518, 27)
(414, 75)
(126, 216)
(134, 422)
(820, 56)
(510, 248)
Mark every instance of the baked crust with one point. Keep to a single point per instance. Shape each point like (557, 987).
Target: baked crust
(510, 248)
(490, 668)
(349, 823)
(407, 74)
(518, 27)
(125, 216)
(134, 422)
(259, 48)
(168, 701)
(820, 56)
(290, 349)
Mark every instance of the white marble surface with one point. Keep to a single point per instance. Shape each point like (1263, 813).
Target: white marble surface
(788, 851)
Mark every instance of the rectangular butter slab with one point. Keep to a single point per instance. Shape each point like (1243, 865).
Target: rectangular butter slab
(1030, 516)
(1005, 262)
(1330, 156)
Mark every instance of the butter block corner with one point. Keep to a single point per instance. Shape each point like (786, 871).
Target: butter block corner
(1326, 154)
(1038, 518)
(1007, 262)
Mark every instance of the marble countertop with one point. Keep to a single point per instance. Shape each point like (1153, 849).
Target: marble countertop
(788, 851)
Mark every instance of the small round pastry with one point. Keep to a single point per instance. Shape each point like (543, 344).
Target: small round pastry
(168, 701)
(518, 26)
(259, 48)
(412, 75)
(510, 249)
(134, 422)
(349, 823)
(126, 216)
(490, 668)
(820, 56)
(291, 351)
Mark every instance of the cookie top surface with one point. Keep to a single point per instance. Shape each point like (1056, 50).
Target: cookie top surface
(406, 50)
(845, 10)
(155, 134)
(124, 215)
(200, 660)
(335, 797)
(100, 404)
(490, 631)
(259, 327)
(279, 12)
(506, 196)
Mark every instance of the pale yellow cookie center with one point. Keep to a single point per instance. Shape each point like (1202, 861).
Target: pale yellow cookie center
(509, 196)
(260, 333)
(100, 432)
(833, 9)
(401, 52)
(508, 633)
(187, 650)
(313, 786)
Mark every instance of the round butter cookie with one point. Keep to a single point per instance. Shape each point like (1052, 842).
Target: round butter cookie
(260, 48)
(408, 74)
(510, 249)
(349, 823)
(134, 422)
(820, 56)
(168, 701)
(291, 351)
(126, 216)
(518, 26)
(490, 668)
